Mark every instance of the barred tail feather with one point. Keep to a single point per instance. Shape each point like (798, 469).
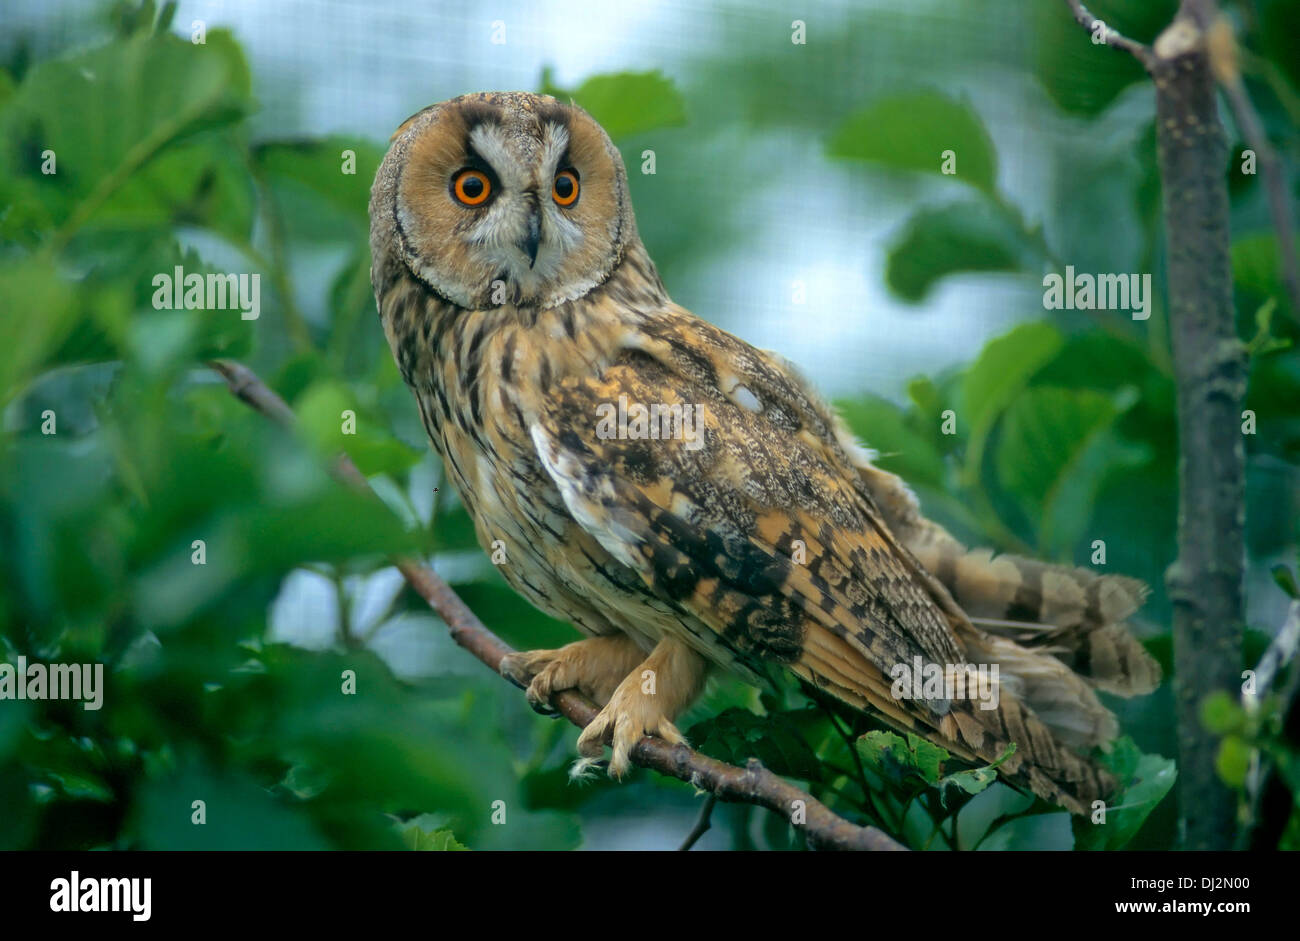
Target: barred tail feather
(1073, 613)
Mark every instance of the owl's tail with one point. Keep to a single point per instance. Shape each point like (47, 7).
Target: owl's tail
(1058, 635)
(1072, 614)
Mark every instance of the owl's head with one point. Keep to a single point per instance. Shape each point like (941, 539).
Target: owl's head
(503, 197)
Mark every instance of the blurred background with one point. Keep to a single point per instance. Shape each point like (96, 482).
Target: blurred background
(796, 200)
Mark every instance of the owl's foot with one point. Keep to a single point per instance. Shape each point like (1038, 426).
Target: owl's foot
(594, 667)
(645, 703)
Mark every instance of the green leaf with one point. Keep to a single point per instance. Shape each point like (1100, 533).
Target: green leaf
(425, 834)
(1144, 780)
(1264, 341)
(518, 622)
(13, 722)
(928, 757)
(883, 427)
(1233, 761)
(1285, 580)
(912, 132)
(968, 782)
(1003, 368)
(21, 817)
(1221, 714)
(736, 735)
(28, 341)
(321, 410)
(956, 788)
(110, 113)
(453, 529)
(1054, 451)
(626, 103)
(318, 200)
(239, 815)
(900, 761)
(961, 237)
(1256, 265)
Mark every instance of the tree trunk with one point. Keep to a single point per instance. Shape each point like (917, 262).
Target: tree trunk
(1205, 583)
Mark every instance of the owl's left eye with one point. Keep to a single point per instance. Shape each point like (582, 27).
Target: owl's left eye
(471, 187)
(565, 188)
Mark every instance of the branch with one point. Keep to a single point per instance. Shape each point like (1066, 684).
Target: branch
(1271, 801)
(752, 784)
(1205, 583)
(702, 823)
(1278, 655)
(1112, 37)
(1222, 47)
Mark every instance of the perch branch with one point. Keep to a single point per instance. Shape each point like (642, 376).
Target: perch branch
(1113, 37)
(753, 784)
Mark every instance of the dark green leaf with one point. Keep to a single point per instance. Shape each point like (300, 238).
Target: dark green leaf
(736, 735)
(1144, 780)
(913, 132)
(962, 237)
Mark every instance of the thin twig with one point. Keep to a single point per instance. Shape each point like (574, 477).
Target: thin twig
(1222, 47)
(1279, 653)
(1270, 800)
(702, 823)
(753, 784)
(1113, 37)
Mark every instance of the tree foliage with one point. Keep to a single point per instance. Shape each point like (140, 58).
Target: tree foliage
(1055, 439)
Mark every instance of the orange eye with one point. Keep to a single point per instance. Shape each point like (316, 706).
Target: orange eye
(471, 187)
(565, 188)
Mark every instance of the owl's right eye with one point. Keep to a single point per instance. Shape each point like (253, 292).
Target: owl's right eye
(471, 187)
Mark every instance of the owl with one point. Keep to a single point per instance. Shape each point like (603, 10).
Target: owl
(687, 501)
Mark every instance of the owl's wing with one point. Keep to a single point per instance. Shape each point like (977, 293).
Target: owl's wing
(746, 515)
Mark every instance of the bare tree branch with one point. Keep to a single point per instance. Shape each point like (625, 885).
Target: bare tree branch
(1276, 658)
(752, 784)
(1222, 47)
(1270, 798)
(1205, 582)
(1112, 37)
(702, 823)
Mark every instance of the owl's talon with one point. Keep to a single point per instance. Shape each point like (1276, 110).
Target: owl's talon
(514, 682)
(544, 709)
(521, 667)
(629, 716)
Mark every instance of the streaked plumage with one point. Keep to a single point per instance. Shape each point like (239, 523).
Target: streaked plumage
(515, 321)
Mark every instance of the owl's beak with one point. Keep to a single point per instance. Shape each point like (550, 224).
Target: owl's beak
(530, 244)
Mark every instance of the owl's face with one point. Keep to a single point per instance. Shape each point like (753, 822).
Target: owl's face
(499, 198)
